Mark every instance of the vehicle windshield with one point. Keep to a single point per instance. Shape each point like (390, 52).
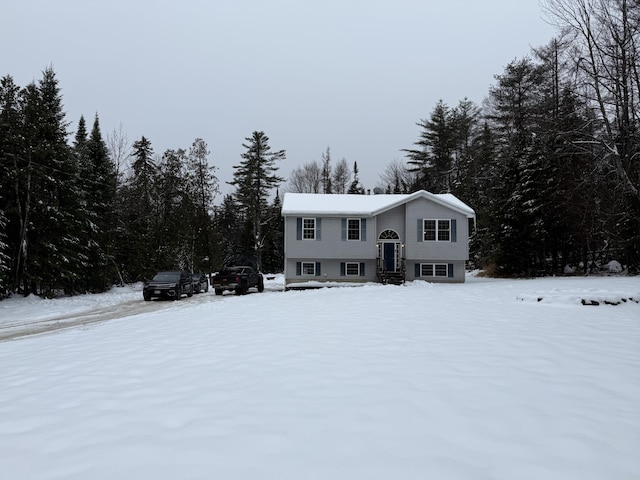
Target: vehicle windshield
(230, 271)
(167, 277)
(196, 276)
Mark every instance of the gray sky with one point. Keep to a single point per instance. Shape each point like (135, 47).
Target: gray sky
(352, 75)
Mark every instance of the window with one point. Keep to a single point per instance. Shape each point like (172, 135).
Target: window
(444, 230)
(352, 269)
(308, 268)
(353, 229)
(309, 228)
(436, 230)
(433, 270)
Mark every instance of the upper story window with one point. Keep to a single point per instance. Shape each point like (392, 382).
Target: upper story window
(353, 229)
(309, 228)
(436, 230)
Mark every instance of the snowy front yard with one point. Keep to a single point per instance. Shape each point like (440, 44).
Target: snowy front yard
(491, 379)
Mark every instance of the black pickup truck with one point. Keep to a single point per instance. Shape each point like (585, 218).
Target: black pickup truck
(238, 279)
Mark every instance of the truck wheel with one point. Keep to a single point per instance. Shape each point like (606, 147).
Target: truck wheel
(177, 295)
(241, 290)
(146, 296)
(261, 286)
(218, 291)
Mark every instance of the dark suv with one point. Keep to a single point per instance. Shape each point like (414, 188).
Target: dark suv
(200, 283)
(172, 284)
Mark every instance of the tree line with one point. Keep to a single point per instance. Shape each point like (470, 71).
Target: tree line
(550, 162)
(74, 219)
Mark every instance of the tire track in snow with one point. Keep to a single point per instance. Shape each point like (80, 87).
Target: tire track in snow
(12, 331)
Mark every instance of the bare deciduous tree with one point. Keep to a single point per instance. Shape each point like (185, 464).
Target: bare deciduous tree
(119, 149)
(341, 177)
(606, 41)
(306, 179)
(396, 178)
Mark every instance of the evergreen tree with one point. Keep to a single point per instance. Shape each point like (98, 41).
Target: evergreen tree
(355, 187)
(254, 177)
(174, 213)
(138, 249)
(327, 187)
(100, 184)
(11, 152)
(234, 247)
(517, 235)
(273, 258)
(432, 160)
(5, 259)
(50, 206)
(202, 186)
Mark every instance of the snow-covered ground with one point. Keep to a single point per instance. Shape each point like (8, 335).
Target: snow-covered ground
(491, 379)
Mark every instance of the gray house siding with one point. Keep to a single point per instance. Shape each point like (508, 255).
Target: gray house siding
(454, 270)
(330, 270)
(393, 219)
(418, 249)
(329, 250)
(331, 242)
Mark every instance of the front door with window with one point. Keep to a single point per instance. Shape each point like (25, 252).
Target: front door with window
(390, 251)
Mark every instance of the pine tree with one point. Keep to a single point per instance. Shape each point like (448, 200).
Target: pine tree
(49, 203)
(174, 213)
(11, 152)
(273, 258)
(100, 184)
(137, 242)
(355, 187)
(202, 186)
(254, 178)
(432, 160)
(228, 234)
(326, 172)
(519, 107)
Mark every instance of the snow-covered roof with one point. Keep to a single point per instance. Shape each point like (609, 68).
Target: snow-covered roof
(364, 205)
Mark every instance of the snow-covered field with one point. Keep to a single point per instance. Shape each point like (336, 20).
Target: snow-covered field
(491, 379)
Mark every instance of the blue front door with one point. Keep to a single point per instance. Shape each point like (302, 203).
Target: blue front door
(390, 256)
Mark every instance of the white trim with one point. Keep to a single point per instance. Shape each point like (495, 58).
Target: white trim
(302, 272)
(315, 226)
(437, 229)
(346, 269)
(434, 269)
(359, 220)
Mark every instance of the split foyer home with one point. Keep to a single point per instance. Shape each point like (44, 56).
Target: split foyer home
(368, 238)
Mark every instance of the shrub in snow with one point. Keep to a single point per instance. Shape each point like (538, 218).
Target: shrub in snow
(614, 266)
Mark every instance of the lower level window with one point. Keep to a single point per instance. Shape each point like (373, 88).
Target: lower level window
(352, 268)
(433, 269)
(308, 268)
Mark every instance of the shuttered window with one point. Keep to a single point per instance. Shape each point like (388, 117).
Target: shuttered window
(437, 230)
(309, 228)
(434, 270)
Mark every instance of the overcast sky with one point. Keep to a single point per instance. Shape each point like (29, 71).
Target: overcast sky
(352, 75)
